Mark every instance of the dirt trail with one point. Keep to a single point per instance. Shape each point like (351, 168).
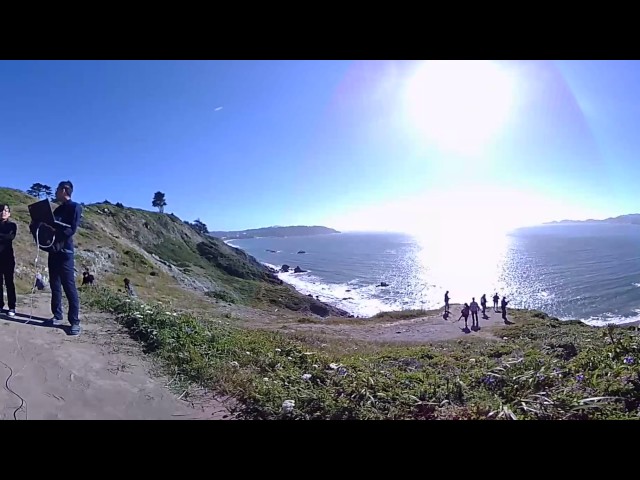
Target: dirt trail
(99, 375)
(430, 328)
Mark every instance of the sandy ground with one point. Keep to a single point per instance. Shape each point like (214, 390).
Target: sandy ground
(431, 328)
(101, 374)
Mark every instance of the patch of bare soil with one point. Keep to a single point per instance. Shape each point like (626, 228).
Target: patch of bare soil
(101, 374)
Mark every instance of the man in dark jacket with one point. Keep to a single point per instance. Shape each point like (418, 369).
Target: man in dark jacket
(61, 261)
(8, 231)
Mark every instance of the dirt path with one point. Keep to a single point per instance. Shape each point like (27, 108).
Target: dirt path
(99, 375)
(430, 328)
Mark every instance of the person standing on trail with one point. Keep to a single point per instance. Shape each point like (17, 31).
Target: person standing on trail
(464, 313)
(128, 288)
(483, 302)
(61, 257)
(496, 298)
(8, 232)
(474, 307)
(446, 302)
(504, 308)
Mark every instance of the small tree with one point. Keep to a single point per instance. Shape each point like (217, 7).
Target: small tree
(38, 190)
(47, 191)
(199, 227)
(159, 201)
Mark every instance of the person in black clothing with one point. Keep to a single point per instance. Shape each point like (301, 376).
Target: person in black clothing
(61, 260)
(87, 278)
(483, 303)
(129, 288)
(503, 306)
(8, 232)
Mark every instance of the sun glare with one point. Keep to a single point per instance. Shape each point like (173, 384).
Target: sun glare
(459, 105)
(472, 212)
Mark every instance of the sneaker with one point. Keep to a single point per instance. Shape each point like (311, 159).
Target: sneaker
(75, 329)
(12, 312)
(55, 321)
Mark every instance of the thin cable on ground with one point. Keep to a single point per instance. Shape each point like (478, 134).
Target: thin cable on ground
(33, 291)
(33, 287)
(6, 385)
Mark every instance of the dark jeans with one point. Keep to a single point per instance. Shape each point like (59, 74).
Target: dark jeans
(62, 277)
(7, 269)
(474, 317)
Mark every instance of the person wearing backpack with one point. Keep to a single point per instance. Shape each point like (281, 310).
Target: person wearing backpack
(57, 241)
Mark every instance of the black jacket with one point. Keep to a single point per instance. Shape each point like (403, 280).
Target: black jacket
(8, 232)
(70, 213)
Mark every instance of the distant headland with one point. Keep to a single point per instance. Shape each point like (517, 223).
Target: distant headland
(630, 219)
(276, 231)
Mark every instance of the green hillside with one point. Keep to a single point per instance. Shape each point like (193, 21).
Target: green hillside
(165, 259)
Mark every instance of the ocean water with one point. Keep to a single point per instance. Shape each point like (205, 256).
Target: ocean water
(589, 272)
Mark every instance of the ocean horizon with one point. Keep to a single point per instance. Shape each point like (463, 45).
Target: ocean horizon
(587, 272)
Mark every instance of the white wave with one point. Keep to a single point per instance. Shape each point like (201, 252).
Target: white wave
(636, 285)
(546, 295)
(612, 319)
(355, 300)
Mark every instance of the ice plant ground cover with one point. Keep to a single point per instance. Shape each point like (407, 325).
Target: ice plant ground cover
(540, 368)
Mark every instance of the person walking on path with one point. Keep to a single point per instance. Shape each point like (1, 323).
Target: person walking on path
(483, 302)
(474, 307)
(446, 302)
(496, 298)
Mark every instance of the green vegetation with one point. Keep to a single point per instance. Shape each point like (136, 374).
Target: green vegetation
(539, 368)
(542, 369)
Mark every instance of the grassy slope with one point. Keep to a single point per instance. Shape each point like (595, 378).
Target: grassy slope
(541, 368)
(163, 257)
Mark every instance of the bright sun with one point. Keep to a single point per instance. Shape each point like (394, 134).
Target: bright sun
(459, 105)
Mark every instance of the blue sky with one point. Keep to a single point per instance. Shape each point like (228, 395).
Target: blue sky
(372, 145)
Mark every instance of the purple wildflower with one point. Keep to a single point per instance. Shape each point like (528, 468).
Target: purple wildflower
(489, 380)
(629, 360)
(580, 377)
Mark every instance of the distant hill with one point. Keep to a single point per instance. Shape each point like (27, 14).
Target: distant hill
(295, 231)
(630, 219)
